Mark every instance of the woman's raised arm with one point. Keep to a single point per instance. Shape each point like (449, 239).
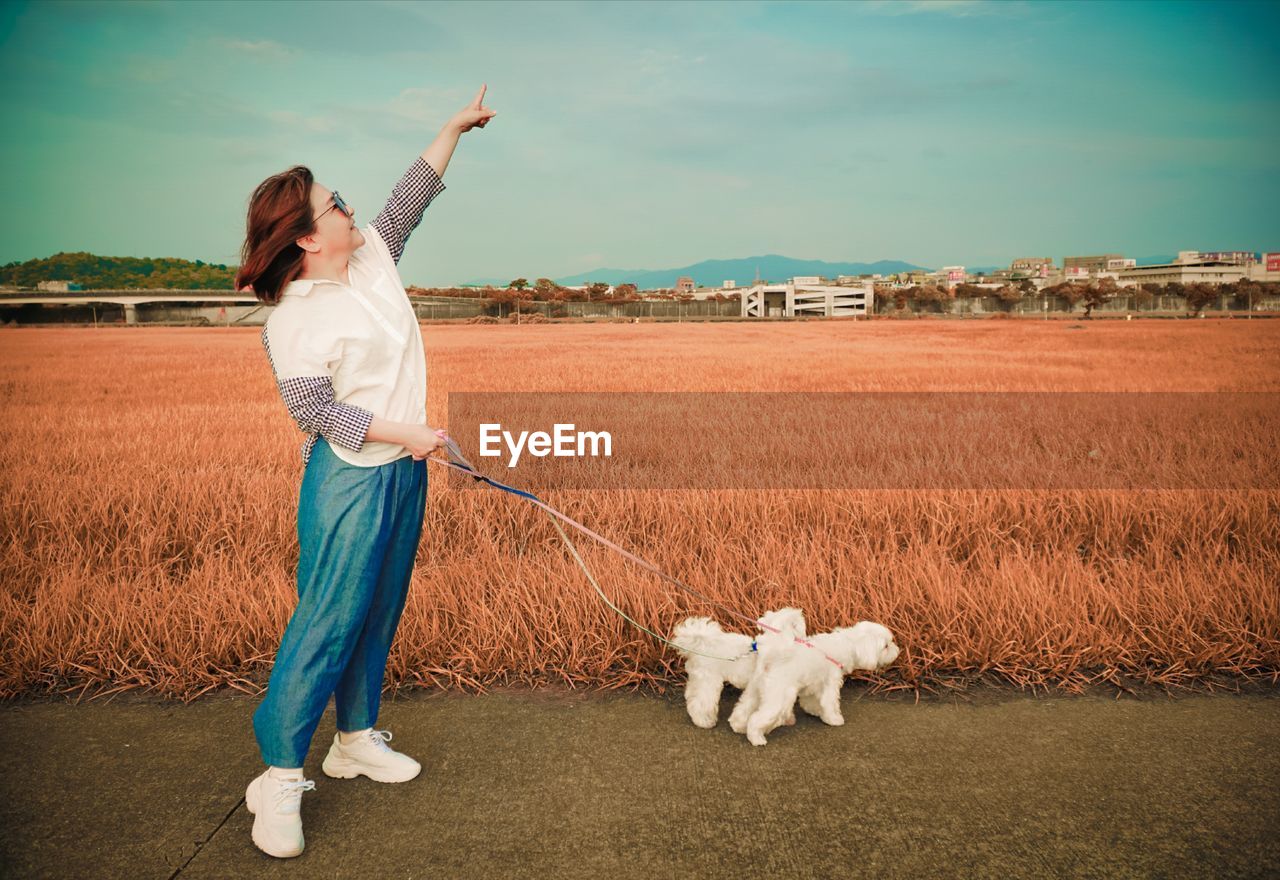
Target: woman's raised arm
(421, 183)
(474, 115)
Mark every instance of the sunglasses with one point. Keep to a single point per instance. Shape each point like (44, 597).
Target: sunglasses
(337, 203)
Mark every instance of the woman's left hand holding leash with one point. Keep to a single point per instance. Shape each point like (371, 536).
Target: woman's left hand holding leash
(439, 432)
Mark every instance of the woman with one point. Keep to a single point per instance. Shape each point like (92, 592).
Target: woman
(347, 354)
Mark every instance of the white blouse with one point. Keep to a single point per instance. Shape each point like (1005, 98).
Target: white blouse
(343, 353)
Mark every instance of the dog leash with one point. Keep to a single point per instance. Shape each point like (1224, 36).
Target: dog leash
(591, 578)
(458, 461)
(455, 453)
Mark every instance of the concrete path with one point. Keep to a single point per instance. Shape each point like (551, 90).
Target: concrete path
(554, 784)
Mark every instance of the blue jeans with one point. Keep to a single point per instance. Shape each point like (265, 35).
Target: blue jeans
(358, 533)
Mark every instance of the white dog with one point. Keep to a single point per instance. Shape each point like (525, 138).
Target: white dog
(788, 671)
(723, 657)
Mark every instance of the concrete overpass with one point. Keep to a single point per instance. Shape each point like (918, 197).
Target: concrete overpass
(226, 308)
(245, 305)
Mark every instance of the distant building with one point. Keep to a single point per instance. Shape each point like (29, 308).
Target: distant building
(806, 279)
(684, 284)
(1266, 269)
(1119, 265)
(1235, 258)
(1026, 267)
(798, 298)
(1206, 271)
(57, 286)
(729, 284)
(1090, 264)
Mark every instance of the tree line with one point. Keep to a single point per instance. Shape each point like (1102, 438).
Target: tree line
(120, 273)
(123, 273)
(546, 290)
(1089, 294)
(93, 272)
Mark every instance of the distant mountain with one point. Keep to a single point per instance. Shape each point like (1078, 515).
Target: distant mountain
(712, 273)
(485, 282)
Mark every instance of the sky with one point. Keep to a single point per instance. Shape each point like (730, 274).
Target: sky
(650, 136)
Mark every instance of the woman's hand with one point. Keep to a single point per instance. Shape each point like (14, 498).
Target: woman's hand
(474, 115)
(422, 440)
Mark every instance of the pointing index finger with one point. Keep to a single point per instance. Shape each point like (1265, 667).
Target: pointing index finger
(480, 96)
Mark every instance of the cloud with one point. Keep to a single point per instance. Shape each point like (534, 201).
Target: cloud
(267, 49)
(652, 62)
(149, 70)
(424, 106)
(413, 110)
(954, 8)
(290, 119)
(247, 150)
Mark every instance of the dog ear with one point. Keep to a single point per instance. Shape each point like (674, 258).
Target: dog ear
(794, 620)
(866, 650)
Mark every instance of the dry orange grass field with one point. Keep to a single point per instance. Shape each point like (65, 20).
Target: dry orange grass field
(150, 483)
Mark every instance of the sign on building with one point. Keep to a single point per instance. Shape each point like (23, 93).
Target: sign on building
(1239, 258)
(57, 286)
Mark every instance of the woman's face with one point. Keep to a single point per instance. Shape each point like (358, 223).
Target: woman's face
(336, 233)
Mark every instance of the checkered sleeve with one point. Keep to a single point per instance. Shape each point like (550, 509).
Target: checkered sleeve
(310, 402)
(403, 211)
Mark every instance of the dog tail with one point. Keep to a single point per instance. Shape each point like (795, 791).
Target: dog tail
(788, 621)
(695, 634)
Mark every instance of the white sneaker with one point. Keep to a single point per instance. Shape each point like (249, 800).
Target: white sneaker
(276, 805)
(369, 755)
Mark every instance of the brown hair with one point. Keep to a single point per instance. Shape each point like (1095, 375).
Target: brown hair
(279, 214)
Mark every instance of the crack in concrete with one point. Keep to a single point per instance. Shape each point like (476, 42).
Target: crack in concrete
(200, 846)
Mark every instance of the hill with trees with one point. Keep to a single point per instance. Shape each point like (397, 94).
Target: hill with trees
(93, 272)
